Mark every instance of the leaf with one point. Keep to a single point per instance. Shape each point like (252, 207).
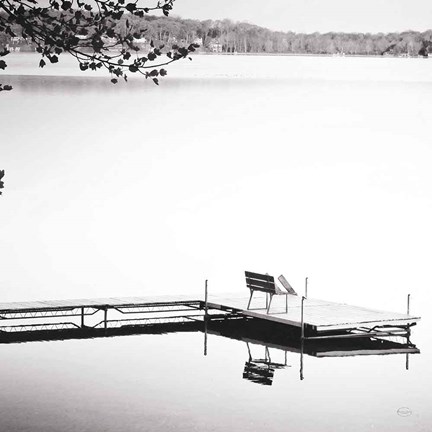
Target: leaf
(66, 5)
(42, 63)
(53, 58)
(131, 7)
(163, 72)
(133, 68)
(114, 80)
(156, 81)
(3, 64)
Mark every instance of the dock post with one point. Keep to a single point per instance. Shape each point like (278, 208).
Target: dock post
(82, 318)
(408, 333)
(302, 337)
(206, 297)
(205, 315)
(301, 360)
(302, 318)
(205, 335)
(306, 287)
(105, 318)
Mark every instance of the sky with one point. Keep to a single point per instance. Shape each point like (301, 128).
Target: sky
(316, 15)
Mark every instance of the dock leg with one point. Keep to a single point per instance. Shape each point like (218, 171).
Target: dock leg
(105, 318)
(408, 304)
(301, 360)
(205, 334)
(82, 318)
(302, 319)
(286, 303)
(206, 297)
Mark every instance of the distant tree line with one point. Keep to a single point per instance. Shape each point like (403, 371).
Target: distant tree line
(226, 36)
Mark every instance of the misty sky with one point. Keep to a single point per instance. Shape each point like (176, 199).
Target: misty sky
(316, 15)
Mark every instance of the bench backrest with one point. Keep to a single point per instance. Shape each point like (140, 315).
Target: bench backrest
(260, 282)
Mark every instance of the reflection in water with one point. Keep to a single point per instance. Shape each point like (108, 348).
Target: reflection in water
(261, 370)
(279, 337)
(257, 334)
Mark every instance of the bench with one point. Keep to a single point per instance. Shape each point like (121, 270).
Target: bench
(264, 283)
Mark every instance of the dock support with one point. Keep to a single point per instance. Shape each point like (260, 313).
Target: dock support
(302, 318)
(408, 332)
(306, 287)
(205, 315)
(105, 318)
(205, 335)
(206, 297)
(301, 360)
(302, 337)
(82, 318)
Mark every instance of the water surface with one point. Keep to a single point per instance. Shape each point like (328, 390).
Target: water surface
(302, 166)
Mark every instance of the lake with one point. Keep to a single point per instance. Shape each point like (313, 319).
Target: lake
(312, 167)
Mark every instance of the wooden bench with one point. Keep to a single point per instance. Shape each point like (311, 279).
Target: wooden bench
(264, 283)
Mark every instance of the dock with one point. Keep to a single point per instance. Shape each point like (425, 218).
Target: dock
(316, 318)
(319, 317)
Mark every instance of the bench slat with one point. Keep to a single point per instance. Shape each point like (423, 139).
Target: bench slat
(259, 284)
(259, 276)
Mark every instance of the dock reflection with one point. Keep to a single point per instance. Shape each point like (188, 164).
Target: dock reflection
(275, 337)
(263, 341)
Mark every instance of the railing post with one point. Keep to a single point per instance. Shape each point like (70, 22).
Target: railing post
(82, 318)
(306, 287)
(408, 304)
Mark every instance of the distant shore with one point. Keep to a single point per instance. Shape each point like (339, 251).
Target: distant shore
(308, 55)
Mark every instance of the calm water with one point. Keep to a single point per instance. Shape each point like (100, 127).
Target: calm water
(314, 167)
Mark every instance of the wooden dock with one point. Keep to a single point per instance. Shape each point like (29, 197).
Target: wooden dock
(319, 318)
